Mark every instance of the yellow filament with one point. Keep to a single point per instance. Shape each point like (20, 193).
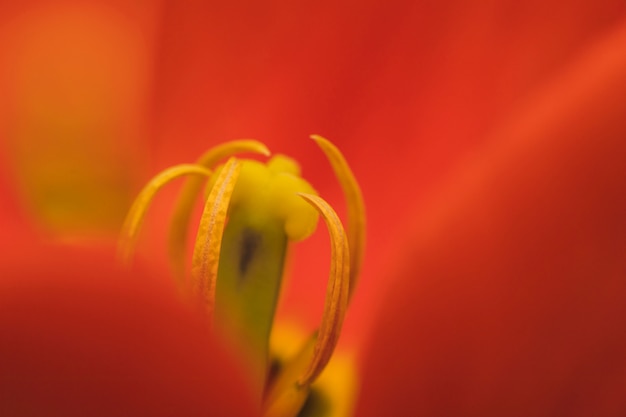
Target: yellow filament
(355, 205)
(337, 292)
(206, 253)
(189, 193)
(137, 212)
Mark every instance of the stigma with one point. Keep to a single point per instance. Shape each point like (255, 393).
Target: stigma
(252, 212)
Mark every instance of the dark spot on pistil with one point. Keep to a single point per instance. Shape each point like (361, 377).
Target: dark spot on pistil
(250, 242)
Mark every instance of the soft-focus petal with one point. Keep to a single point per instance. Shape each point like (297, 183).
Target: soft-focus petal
(79, 337)
(405, 88)
(13, 220)
(74, 80)
(511, 297)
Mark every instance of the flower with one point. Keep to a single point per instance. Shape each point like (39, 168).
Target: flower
(420, 92)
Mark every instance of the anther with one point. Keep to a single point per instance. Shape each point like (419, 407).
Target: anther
(337, 291)
(206, 253)
(354, 203)
(192, 188)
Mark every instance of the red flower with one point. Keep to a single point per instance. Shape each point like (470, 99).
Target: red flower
(489, 143)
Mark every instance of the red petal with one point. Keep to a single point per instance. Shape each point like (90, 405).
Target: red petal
(405, 88)
(512, 298)
(79, 337)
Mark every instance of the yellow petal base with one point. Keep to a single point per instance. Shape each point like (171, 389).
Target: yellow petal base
(333, 394)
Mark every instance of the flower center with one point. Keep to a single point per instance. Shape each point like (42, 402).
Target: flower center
(252, 213)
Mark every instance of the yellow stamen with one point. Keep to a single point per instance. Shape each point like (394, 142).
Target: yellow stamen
(191, 190)
(336, 293)
(268, 206)
(206, 253)
(355, 205)
(137, 212)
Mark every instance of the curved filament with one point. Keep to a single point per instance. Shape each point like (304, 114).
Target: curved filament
(137, 212)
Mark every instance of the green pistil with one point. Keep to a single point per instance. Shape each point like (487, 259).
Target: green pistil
(250, 275)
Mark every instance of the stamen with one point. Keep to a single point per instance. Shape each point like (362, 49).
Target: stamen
(336, 293)
(354, 203)
(268, 206)
(206, 253)
(191, 190)
(137, 212)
